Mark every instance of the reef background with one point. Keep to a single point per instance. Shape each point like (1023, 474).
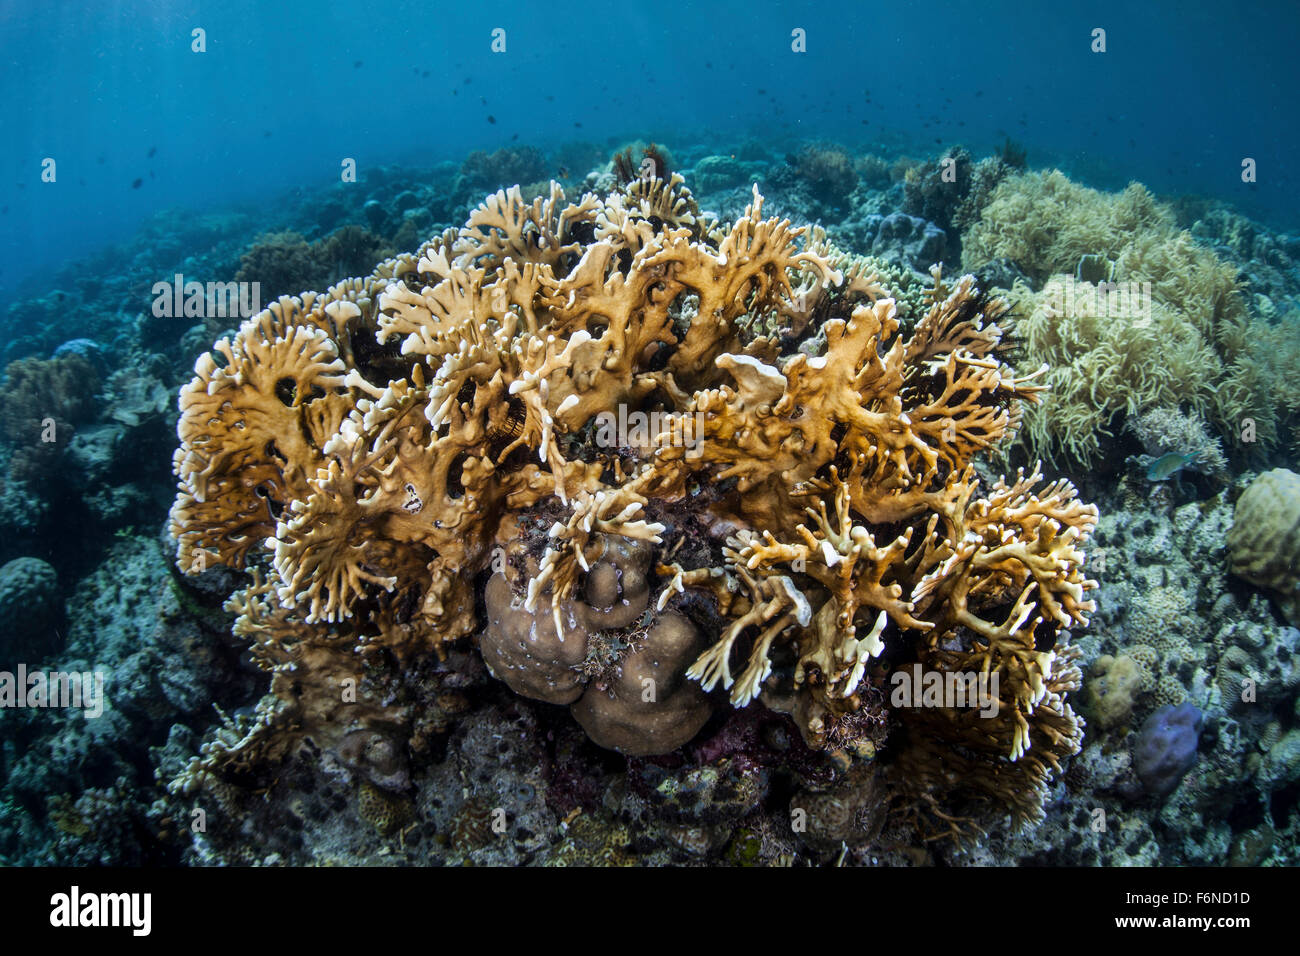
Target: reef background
(235, 183)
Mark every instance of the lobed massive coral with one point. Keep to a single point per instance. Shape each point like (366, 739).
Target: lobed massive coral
(1264, 543)
(42, 402)
(800, 513)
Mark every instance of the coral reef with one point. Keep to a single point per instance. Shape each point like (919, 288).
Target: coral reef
(398, 756)
(1132, 315)
(1193, 636)
(1164, 431)
(42, 404)
(285, 263)
(31, 606)
(808, 477)
(828, 170)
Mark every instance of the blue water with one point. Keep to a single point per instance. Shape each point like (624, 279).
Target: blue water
(113, 93)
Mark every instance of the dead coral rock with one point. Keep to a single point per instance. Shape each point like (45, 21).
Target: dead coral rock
(137, 396)
(908, 241)
(32, 610)
(1264, 543)
(378, 757)
(854, 812)
(723, 791)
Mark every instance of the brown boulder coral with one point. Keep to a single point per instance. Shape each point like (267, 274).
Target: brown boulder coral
(622, 667)
(646, 435)
(1264, 542)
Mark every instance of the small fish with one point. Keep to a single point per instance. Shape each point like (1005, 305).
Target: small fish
(1167, 466)
(153, 150)
(491, 118)
(137, 184)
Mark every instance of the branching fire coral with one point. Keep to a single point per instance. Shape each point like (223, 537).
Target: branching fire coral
(379, 454)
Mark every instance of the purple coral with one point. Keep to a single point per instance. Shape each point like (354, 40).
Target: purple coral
(1166, 747)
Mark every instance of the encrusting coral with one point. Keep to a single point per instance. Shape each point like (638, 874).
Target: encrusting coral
(796, 511)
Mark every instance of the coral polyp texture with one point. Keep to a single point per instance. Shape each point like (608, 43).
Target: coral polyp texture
(689, 465)
(1264, 543)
